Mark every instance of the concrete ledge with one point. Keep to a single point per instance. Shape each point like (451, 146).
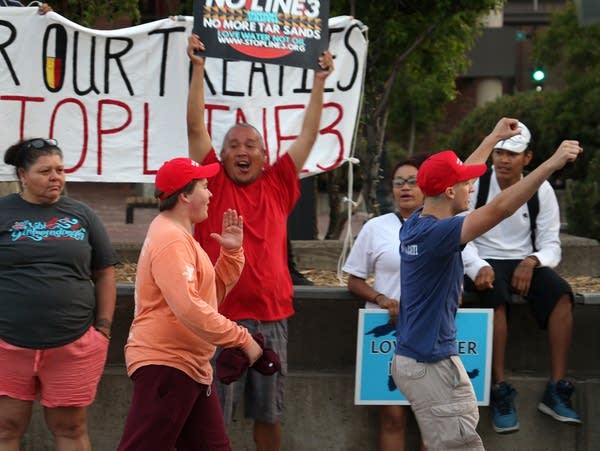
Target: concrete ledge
(588, 298)
(326, 320)
(337, 424)
(320, 389)
(580, 256)
(321, 416)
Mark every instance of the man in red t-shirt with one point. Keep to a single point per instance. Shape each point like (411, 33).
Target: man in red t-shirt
(264, 195)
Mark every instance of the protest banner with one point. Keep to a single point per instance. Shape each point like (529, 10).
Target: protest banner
(116, 99)
(292, 33)
(376, 344)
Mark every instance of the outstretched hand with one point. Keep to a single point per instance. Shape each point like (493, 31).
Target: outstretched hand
(195, 45)
(325, 63)
(232, 233)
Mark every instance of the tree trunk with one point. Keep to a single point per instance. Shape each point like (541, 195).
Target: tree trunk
(413, 132)
(371, 161)
(377, 111)
(337, 218)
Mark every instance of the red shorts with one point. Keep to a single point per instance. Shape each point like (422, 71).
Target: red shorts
(65, 376)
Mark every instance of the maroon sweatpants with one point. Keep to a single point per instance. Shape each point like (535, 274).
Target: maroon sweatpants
(170, 410)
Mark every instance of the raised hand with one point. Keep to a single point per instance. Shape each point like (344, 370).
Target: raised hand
(325, 63)
(195, 45)
(567, 152)
(232, 233)
(506, 128)
(44, 8)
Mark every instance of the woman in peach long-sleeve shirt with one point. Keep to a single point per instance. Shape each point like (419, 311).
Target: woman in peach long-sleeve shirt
(176, 325)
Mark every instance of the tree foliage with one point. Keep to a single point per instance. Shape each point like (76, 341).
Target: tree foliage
(568, 46)
(416, 51)
(532, 108)
(583, 202)
(570, 112)
(574, 49)
(87, 12)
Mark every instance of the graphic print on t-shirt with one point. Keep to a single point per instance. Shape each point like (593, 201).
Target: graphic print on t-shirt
(65, 228)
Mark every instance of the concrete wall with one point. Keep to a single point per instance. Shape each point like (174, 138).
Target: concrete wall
(320, 389)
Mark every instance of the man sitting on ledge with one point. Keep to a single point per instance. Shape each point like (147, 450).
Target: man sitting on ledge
(516, 256)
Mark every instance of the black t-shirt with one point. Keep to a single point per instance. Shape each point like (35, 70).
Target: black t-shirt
(47, 255)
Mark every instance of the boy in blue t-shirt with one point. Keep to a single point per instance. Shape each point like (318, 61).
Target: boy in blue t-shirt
(426, 367)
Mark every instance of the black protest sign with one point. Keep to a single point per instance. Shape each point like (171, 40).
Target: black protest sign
(284, 32)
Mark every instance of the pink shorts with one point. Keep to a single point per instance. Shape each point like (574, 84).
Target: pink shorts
(66, 376)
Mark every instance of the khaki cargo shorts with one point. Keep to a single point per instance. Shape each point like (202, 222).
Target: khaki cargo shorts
(443, 401)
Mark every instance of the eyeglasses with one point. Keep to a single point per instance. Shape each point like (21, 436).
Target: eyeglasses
(399, 181)
(40, 143)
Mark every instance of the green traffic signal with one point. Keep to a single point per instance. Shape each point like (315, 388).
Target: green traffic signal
(538, 75)
(521, 36)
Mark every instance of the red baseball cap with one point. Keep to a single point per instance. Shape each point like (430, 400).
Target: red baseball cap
(444, 169)
(178, 172)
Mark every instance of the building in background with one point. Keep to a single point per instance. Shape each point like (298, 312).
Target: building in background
(502, 61)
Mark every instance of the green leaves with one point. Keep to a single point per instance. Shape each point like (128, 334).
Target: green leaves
(416, 51)
(572, 49)
(564, 111)
(88, 12)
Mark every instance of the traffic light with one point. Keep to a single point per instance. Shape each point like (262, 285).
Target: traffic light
(538, 76)
(521, 36)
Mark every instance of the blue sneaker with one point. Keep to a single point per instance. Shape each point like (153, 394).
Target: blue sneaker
(504, 417)
(557, 402)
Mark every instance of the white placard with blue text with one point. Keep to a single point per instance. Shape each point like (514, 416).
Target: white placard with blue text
(376, 342)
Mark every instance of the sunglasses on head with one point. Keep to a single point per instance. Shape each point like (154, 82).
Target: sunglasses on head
(40, 143)
(399, 181)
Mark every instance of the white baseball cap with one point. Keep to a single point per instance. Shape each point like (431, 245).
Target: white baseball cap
(517, 143)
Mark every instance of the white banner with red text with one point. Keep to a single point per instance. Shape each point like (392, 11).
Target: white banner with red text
(116, 99)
